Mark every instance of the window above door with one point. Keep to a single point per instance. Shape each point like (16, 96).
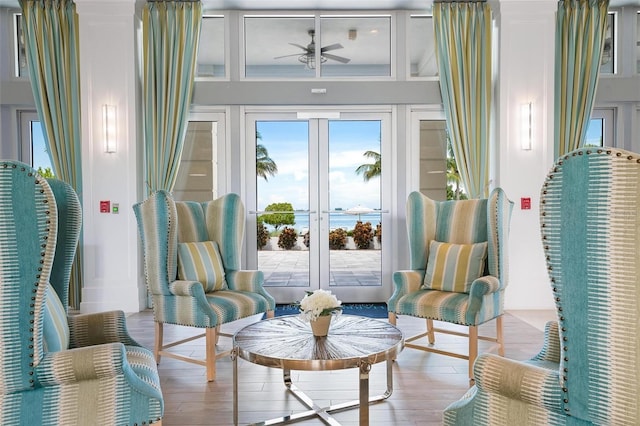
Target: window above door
(310, 46)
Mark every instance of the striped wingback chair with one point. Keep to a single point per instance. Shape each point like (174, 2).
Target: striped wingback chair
(458, 260)
(80, 370)
(588, 371)
(192, 260)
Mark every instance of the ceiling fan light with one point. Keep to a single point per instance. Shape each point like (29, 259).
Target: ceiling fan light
(308, 60)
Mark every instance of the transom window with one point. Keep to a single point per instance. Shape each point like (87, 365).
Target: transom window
(211, 54)
(309, 46)
(421, 45)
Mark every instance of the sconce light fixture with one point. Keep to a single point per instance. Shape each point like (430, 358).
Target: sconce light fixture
(526, 114)
(109, 127)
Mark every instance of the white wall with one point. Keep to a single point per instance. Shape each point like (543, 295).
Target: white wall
(108, 60)
(526, 69)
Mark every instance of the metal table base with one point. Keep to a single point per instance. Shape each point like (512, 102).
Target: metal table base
(384, 343)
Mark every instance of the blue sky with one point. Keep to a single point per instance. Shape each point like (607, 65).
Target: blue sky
(288, 147)
(40, 155)
(594, 132)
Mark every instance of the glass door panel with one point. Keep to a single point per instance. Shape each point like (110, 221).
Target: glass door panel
(318, 206)
(282, 200)
(354, 204)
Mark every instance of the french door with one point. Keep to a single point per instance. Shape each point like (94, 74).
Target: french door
(316, 203)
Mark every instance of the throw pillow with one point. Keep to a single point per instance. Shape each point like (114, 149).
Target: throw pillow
(453, 267)
(201, 261)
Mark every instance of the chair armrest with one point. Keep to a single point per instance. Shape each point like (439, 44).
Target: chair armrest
(99, 328)
(480, 288)
(76, 365)
(405, 282)
(190, 294)
(551, 349)
(484, 285)
(186, 288)
(519, 381)
(251, 281)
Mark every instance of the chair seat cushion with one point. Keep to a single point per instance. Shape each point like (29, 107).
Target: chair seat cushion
(55, 328)
(233, 305)
(201, 261)
(437, 305)
(454, 267)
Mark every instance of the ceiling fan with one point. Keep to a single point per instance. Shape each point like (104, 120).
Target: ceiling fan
(308, 57)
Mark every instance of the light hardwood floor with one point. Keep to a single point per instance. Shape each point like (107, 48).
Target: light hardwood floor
(424, 383)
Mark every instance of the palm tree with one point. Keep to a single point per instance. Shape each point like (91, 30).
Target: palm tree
(453, 174)
(265, 166)
(371, 170)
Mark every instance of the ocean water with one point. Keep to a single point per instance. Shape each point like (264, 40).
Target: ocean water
(337, 220)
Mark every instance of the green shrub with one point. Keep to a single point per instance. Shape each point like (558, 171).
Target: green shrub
(263, 234)
(337, 239)
(363, 235)
(288, 238)
(282, 215)
(306, 239)
(379, 232)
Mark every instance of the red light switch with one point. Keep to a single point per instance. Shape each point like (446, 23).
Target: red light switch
(525, 203)
(105, 206)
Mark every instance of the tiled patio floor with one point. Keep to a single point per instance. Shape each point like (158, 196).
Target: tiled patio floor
(349, 267)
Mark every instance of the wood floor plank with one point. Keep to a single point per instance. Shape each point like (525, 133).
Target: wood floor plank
(424, 383)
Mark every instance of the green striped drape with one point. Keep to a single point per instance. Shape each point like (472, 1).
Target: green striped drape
(51, 39)
(580, 31)
(171, 30)
(463, 51)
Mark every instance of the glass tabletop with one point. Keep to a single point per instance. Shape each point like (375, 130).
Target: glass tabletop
(287, 342)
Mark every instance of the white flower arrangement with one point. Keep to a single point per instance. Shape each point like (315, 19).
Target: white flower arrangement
(319, 303)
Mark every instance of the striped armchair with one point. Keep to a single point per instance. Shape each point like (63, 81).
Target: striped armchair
(80, 370)
(192, 254)
(458, 260)
(588, 371)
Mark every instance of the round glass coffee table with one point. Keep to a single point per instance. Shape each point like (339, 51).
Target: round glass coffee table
(288, 343)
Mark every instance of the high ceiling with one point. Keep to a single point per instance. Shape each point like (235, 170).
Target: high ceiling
(317, 4)
(322, 4)
(297, 4)
(342, 4)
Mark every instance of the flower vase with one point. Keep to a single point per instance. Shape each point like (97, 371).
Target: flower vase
(320, 326)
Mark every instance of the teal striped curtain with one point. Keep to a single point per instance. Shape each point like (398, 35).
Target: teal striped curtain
(463, 51)
(171, 30)
(580, 31)
(51, 39)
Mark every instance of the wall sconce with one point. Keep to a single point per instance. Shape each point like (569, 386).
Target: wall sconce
(526, 113)
(109, 125)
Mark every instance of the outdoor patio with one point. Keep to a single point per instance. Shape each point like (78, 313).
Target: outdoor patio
(348, 267)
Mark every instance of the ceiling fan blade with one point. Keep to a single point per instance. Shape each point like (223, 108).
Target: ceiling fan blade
(306, 49)
(331, 47)
(336, 58)
(286, 56)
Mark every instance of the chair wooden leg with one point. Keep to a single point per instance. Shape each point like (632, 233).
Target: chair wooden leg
(271, 314)
(210, 353)
(473, 348)
(217, 334)
(430, 333)
(499, 336)
(158, 344)
(392, 318)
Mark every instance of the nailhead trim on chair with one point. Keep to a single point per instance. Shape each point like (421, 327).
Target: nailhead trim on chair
(30, 350)
(543, 226)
